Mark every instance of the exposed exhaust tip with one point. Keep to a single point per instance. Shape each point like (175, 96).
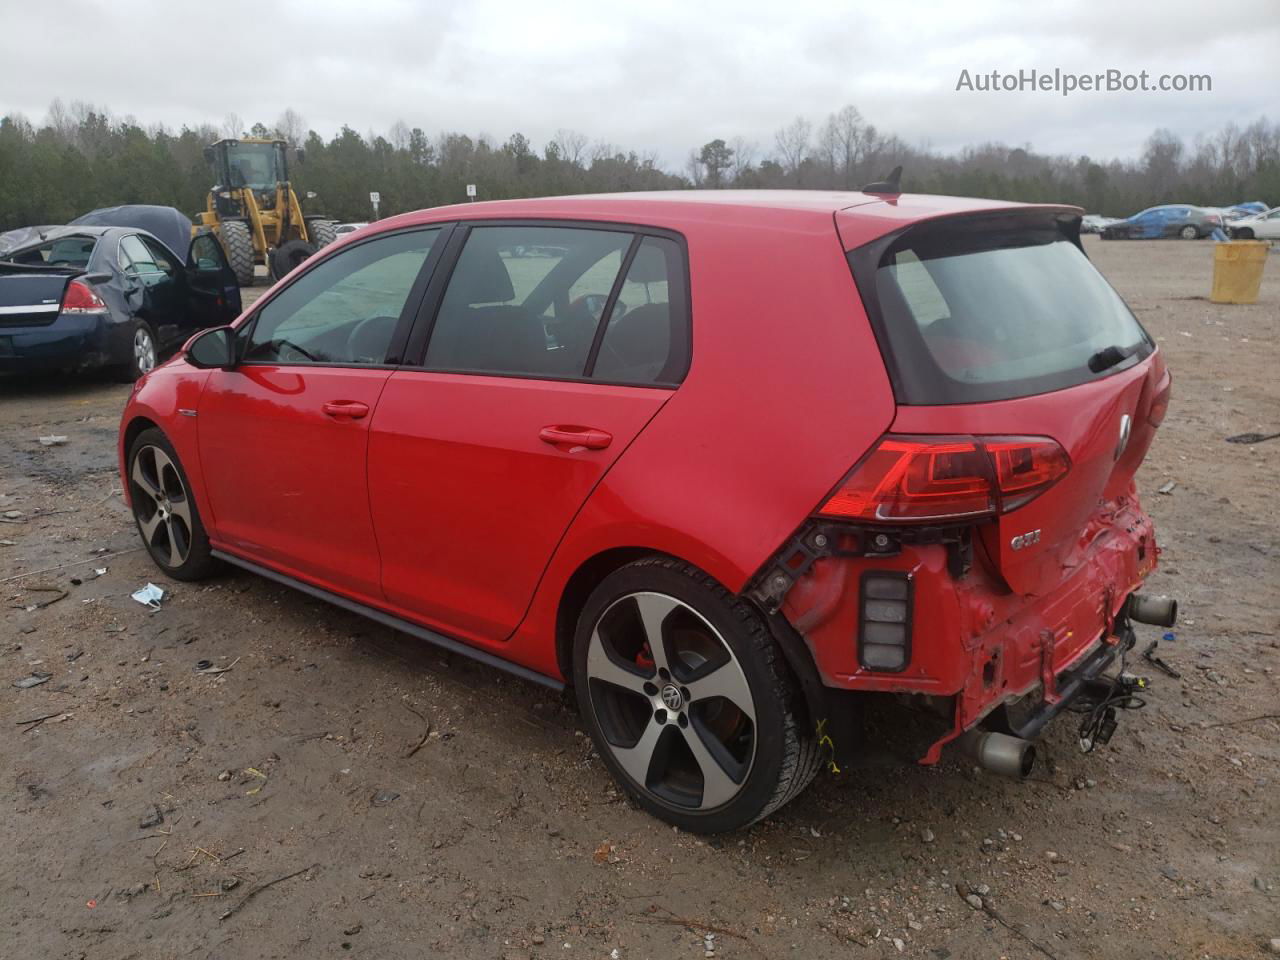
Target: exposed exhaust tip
(999, 753)
(1158, 611)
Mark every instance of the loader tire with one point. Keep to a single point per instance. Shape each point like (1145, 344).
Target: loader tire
(322, 232)
(237, 242)
(284, 258)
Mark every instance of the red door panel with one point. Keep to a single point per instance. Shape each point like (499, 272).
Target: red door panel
(283, 451)
(473, 480)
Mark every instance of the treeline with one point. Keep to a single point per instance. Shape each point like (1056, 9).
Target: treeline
(81, 157)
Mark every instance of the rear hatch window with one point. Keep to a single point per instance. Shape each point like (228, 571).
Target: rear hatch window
(985, 308)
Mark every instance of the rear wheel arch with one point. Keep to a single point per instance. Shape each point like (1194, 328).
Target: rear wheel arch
(578, 588)
(592, 571)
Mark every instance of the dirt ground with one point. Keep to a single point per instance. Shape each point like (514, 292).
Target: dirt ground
(142, 817)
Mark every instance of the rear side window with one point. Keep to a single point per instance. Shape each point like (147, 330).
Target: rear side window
(968, 311)
(565, 303)
(647, 337)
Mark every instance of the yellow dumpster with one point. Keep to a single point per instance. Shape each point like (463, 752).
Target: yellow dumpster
(1237, 270)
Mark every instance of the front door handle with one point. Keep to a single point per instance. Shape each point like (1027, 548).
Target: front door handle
(346, 409)
(587, 437)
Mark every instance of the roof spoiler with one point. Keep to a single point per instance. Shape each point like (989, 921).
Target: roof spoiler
(889, 186)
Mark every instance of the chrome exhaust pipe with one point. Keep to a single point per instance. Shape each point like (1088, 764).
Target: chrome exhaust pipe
(1159, 611)
(999, 752)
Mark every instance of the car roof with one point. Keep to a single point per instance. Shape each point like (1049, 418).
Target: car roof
(872, 214)
(109, 233)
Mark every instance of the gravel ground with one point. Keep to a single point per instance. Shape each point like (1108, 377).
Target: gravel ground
(144, 816)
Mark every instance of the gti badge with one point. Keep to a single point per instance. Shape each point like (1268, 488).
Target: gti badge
(1126, 425)
(1025, 539)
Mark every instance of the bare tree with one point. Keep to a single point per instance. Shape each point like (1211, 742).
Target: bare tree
(853, 136)
(602, 150)
(571, 144)
(232, 126)
(61, 122)
(399, 135)
(292, 127)
(793, 144)
(744, 156)
(1161, 158)
(693, 166)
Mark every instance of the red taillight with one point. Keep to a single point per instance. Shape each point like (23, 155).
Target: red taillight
(80, 299)
(930, 479)
(1160, 403)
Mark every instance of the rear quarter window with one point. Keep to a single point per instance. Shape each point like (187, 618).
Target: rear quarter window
(981, 309)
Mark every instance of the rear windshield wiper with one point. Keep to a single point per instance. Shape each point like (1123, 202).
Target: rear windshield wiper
(1108, 357)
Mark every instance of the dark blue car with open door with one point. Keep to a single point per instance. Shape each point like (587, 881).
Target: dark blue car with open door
(106, 292)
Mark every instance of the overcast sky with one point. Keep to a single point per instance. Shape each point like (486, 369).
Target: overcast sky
(651, 76)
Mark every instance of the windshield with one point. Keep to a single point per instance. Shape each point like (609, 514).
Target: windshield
(254, 164)
(972, 312)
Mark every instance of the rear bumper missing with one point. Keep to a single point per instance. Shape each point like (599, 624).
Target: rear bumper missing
(1026, 717)
(978, 654)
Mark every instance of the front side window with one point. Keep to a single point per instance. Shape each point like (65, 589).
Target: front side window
(159, 256)
(346, 309)
(525, 300)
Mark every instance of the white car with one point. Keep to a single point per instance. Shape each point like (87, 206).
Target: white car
(1264, 226)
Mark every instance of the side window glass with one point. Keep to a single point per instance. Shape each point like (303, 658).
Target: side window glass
(647, 337)
(139, 256)
(344, 310)
(205, 253)
(525, 300)
(159, 256)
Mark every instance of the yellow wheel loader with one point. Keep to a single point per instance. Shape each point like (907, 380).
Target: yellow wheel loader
(255, 213)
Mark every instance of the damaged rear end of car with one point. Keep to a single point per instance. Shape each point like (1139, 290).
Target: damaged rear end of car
(980, 564)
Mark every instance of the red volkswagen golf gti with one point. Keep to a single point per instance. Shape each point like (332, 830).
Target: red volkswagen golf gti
(741, 468)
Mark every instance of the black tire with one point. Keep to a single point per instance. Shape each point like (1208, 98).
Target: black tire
(784, 756)
(322, 232)
(141, 360)
(160, 487)
(287, 256)
(237, 243)
(1189, 232)
(1242, 233)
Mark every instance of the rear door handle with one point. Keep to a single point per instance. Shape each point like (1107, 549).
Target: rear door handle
(346, 409)
(587, 437)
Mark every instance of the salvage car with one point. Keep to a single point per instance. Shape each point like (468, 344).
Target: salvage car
(1263, 226)
(107, 293)
(1165, 222)
(840, 452)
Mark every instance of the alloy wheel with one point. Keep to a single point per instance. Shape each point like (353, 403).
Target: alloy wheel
(671, 701)
(144, 350)
(161, 506)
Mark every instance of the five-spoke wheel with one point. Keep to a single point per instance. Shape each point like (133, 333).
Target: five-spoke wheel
(687, 699)
(167, 518)
(672, 700)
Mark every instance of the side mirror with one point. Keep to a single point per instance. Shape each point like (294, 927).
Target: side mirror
(211, 349)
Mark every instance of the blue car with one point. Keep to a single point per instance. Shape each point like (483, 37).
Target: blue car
(1165, 222)
(94, 295)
